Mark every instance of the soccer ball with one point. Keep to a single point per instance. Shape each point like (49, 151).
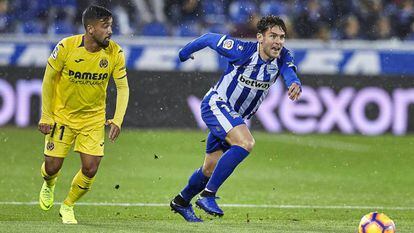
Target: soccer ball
(376, 223)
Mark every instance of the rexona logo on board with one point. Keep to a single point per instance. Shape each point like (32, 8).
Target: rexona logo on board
(322, 110)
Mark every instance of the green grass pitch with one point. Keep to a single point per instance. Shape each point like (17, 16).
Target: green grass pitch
(293, 183)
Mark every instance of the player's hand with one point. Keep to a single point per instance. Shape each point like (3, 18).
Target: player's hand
(44, 128)
(113, 131)
(294, 91)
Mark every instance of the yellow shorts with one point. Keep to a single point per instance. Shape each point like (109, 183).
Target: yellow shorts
(61, 139)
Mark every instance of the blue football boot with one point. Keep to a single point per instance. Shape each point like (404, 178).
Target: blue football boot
(209, 205)
(186, 211)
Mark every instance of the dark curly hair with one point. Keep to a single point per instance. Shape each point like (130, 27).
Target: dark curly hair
(94, 12)
(267, 22)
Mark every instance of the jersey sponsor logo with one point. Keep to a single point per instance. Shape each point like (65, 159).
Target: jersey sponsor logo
(79, 60)
(228, 44)
(103, 63)
(87, 75)
(55, 52)
(253, 84)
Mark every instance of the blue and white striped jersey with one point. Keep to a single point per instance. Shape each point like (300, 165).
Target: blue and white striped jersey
(247, 79)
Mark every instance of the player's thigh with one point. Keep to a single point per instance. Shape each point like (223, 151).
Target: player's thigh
(241, 136)
(91, 142)
(59, 141)
(219, 116)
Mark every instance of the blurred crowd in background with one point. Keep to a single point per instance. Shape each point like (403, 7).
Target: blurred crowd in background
(306, 19)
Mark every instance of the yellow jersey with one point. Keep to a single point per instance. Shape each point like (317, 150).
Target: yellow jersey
(79, 97)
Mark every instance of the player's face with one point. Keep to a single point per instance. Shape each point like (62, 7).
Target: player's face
(272, 41)
(102, 32)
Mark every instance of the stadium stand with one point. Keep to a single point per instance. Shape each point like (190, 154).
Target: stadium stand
(309, 19)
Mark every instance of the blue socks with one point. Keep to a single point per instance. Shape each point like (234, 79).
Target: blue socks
(196, 184)
(225, 166)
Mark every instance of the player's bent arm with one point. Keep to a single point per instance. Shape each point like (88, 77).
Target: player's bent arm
(288, 73)
(288, 69)
(209, 39)
(47, 95)
(122, 97)
(289, 76)
(293, 84)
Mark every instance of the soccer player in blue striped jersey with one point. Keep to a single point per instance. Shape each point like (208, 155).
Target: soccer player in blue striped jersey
(252, 68)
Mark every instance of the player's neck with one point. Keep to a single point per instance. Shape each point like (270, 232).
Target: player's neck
(90, 44)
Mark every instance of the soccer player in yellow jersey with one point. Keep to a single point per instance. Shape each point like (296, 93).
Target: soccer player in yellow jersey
(73, 105)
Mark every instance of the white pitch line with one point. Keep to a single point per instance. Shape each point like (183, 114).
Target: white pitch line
(226, 205)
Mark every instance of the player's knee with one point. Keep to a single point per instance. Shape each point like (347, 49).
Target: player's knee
(209, 166)
(247, 144)
(207, 170)
(90, 171)
(52, 170)
(52, 167)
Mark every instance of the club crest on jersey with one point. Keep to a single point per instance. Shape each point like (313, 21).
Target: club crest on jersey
(50, 146)
(272, 68)
(228, 44)
(103, 63)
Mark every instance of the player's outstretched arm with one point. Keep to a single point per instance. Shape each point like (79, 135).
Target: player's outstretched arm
(209, 39)
(46, 120)
(122, 98)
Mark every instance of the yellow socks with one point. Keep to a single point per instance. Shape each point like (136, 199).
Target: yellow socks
(49, 179)
(81, 184)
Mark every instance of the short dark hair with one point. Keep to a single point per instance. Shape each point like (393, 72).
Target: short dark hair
(267, 22)
(94, 12)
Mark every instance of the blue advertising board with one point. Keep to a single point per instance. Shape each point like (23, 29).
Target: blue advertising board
(160, 54)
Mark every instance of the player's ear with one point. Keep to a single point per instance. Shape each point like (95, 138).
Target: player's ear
(90, 29)
(259, 37)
